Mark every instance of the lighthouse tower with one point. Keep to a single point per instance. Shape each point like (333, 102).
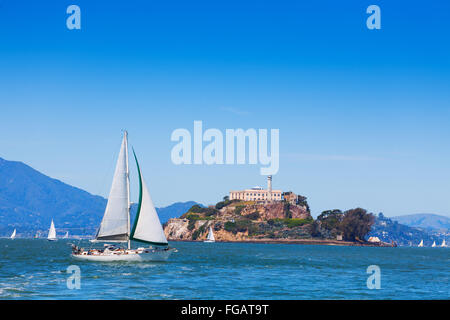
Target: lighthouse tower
(269, 188)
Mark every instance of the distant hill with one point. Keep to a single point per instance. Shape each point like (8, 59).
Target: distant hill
(424, 221)
(174, 210)
(389, 230)
(30, 199)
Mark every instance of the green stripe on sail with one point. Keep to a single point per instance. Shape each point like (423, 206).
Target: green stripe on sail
(139, 210)
(140, 199)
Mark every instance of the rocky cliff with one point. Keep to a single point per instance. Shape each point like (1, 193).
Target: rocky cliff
(240, 221)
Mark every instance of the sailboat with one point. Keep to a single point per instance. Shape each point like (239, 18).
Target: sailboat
(421, 243)
(210, 237)
(115, 225)
(434, 244)
(52, 232)
(443, 244)
(13, 235)
(66, 236)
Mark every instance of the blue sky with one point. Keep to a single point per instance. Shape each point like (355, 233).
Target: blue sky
(363, 114)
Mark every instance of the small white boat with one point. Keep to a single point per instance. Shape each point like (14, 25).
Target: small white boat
(13, 235)
(443, 245)
(434, 244)
(115, 225)
(52, 233)
(210, 237)
(420, 244)
(66, 236)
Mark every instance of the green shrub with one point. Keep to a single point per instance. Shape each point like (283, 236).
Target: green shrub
(193, 217)
(210, 211)
(221, 204)
(241, 225)
(191, 225)
(292, 222)
(238, 210)
(196, 209)
(287, 210)
(198, 232)
(253, 216)
(230, 226)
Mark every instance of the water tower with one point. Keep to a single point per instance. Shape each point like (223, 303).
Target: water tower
(269, 188)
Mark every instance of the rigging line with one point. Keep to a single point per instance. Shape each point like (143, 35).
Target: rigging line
(107, 174)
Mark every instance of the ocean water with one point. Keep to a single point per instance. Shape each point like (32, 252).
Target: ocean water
(37, 269)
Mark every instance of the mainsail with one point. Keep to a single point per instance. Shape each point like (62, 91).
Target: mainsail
(115, 223)
(147, 227)
(13, 235)
(443, 243)
(420, 244)
(211, 235)
(52, 231)
(434, 244)
(66, 236)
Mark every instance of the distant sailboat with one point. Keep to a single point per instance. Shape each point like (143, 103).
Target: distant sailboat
(420, 244)
(66, 236)
(434, 244)
(115, 225)
(210, 237)
(52, 232)
(443, 244)
(13, 235)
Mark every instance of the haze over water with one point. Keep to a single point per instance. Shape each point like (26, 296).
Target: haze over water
(36, 269)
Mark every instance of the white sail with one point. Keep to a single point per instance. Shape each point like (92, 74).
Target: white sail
(66, 236)
(13, 235)
(434, 244)
(147, 227)
(115, 223)
(211, 235)
(52, 232)
(443, 243)
(421, 243)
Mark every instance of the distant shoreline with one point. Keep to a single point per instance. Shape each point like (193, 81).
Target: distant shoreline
(299, 241)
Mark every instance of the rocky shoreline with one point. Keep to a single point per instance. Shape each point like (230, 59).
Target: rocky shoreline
(300, 241)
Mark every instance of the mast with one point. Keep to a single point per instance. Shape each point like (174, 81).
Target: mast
(128, 188)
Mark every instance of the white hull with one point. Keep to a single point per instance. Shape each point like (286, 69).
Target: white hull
(158, 255)
(209, 241)
(52, 239)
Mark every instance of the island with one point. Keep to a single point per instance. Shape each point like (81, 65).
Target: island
(272, 216)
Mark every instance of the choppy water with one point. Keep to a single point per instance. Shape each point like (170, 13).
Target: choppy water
(36, 269)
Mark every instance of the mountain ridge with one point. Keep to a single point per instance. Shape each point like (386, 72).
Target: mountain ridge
(29, 200)
(424, 220)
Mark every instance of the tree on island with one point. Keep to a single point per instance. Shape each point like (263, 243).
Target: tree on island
(226, 201)
(356, 224)
(330, 219)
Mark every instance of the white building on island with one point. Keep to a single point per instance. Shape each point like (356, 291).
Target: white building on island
(257, 194)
